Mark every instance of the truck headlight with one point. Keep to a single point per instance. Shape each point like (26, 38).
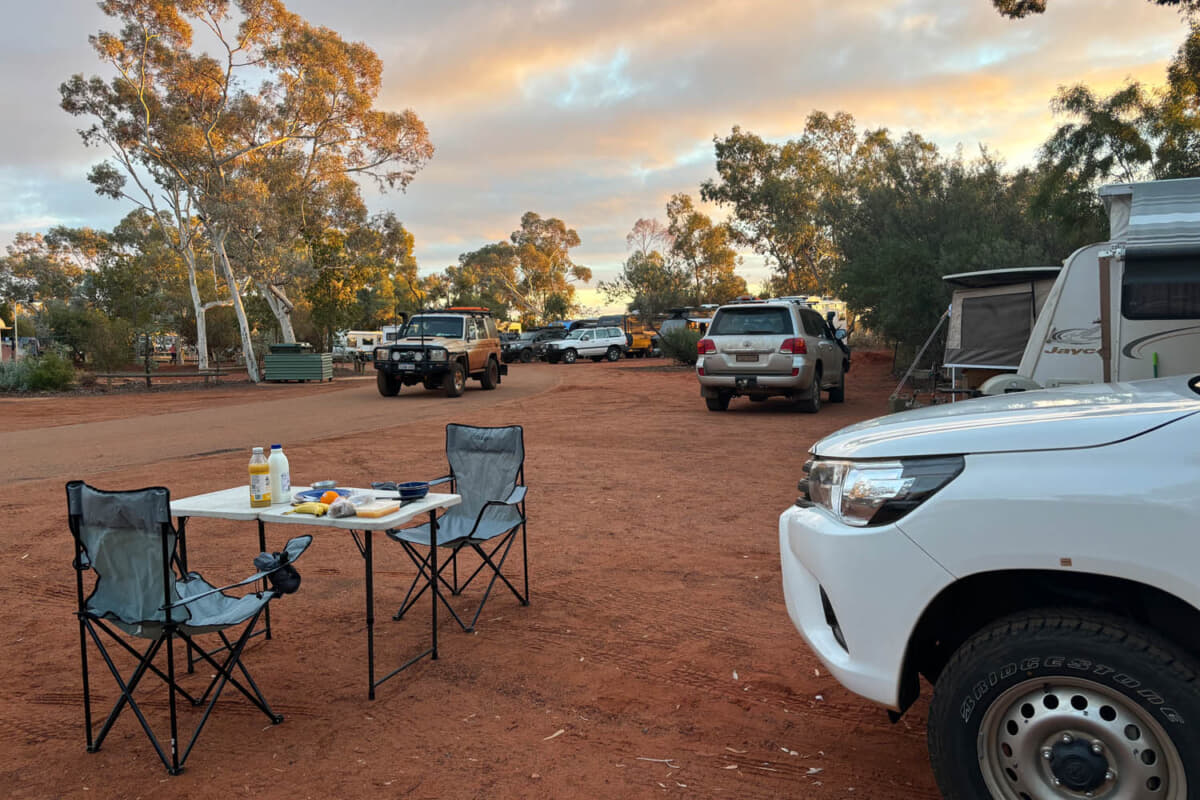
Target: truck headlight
(396, 355)
(381, 354)
(437, 354)
(876, 492)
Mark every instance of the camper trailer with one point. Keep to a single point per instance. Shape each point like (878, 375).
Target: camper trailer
(1125, 309)
(992, 314)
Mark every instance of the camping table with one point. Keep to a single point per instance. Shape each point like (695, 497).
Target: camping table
(234, 504)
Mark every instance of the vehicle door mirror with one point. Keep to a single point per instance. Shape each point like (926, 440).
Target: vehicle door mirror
(840, 334)
(585, 338)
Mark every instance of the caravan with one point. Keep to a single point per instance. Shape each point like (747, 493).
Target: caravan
(1125, 309)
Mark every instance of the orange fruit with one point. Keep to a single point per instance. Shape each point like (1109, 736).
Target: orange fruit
(329, 496)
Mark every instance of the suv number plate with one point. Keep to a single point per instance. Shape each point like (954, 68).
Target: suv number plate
(747, 357)
(405, 367)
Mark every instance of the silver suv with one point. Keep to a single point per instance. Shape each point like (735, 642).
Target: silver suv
(767, 348)
(593, 343)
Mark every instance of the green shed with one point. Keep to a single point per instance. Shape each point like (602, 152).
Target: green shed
(297, 362)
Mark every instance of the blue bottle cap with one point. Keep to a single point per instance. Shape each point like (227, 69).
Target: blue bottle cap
(276, 447)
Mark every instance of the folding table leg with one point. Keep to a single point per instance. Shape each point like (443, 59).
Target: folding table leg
(262, 547)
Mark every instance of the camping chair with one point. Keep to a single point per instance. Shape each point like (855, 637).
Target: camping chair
(126, 539)
(487, 467)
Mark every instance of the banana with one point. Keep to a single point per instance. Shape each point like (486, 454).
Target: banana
(316, 509)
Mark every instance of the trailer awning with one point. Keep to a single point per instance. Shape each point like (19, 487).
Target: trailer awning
(1164, 216)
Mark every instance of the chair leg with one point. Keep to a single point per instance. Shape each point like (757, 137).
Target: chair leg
(127, 690)
(87, 692)
(224, 676)
(496, 573)
(423, 570)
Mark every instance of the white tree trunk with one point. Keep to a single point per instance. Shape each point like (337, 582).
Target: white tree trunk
(218, 243)
(281, 307)
(199, 308)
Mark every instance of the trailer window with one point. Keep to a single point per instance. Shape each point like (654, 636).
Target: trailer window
(1161, 287)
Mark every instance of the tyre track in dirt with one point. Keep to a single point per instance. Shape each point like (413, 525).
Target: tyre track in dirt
(274, 414)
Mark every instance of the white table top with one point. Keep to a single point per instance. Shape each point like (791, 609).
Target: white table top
(235, 504)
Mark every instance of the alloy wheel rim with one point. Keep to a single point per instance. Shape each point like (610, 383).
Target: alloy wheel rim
(1063, 737)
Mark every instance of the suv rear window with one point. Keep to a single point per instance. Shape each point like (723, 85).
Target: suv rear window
(751, 321)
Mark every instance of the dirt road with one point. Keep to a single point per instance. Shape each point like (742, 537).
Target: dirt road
(656, 658)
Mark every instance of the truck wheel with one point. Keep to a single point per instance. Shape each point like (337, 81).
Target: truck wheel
(810, 401)
(718, 403)
(389, 385)
(491, 375)
(455, 380)
(526, 356)
(838, 393)
(569, 356)
(1059, 703)
(613, 354)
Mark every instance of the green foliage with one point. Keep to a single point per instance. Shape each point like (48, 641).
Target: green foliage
(50, 373)
(924, 216)
(680, 345)
(14, 375)
(705, 251)
(1023, 8)
(653, 283)
(110, 343)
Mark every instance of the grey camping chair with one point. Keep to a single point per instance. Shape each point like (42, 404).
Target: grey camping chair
(126, 540)
(487, 467)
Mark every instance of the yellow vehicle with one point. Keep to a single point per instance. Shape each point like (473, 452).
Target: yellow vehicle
(639, 339)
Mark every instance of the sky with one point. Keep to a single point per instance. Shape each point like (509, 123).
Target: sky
(597, 111)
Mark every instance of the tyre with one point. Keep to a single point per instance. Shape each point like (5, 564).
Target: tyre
(569, 356)
(1056, 703)
(838, 393)
(810, 401)
(491, 375)
(389, 385)
(526, 356)
(613, 354)
(455, 380)
(718, 403)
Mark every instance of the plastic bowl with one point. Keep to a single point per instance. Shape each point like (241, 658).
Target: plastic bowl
(412, 490)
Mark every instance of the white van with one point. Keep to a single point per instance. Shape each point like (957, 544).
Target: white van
(1124, 309)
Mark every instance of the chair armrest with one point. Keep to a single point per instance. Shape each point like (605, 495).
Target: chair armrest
(518, 494)
(441, 480)
(294, 549)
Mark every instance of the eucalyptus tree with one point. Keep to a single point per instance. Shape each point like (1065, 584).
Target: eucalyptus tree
(279, 94)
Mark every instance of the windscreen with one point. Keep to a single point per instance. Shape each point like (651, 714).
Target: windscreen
(751, 322)
(448, 327)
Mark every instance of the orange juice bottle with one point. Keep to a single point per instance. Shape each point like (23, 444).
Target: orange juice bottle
(260, 480)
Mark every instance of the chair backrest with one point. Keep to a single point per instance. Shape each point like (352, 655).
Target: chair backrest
(127, 539)
(486, 463)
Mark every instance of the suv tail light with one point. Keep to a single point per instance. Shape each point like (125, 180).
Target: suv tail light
(794, 346)
(706, 346)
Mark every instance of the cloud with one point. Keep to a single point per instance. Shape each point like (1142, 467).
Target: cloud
(596, 112)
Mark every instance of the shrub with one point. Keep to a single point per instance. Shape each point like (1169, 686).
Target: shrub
(50, 372)
(14, 375)
(680, 345)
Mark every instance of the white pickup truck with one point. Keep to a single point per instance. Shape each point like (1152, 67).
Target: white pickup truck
(1036, 557)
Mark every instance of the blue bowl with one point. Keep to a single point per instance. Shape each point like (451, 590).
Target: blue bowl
(412, 490)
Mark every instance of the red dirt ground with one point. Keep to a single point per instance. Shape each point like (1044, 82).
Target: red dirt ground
(655, 660)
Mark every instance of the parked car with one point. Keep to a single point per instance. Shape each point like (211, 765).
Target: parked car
(525, 347)
(441, 349)
(593, 343)
(1033, 556)
(771, 348)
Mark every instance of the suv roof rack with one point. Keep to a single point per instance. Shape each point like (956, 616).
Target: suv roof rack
(478, 310)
